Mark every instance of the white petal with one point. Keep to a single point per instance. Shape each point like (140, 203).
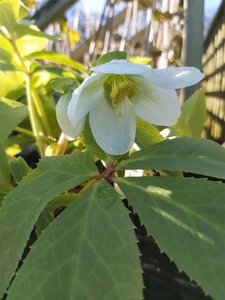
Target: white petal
(121, 66)
(84, 97)
(68, 129)
(154, 105)
(174, 78)
(113, 128)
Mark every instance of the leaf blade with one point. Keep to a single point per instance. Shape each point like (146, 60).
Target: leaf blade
(182, 154)
(94, 265)
(22, 206)
(186, 217)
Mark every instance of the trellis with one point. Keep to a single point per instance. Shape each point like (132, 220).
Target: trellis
(214, 83)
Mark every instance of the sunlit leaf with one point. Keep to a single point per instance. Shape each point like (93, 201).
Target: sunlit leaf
(23, 29)
(147, 134)
(7, 17)
(58, 58)
(193, 116)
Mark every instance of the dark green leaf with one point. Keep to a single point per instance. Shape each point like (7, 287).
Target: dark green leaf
(19, 168)
(21, 207)
(63, 85)
(4, 169)
(109, 56)
(182, 154)
(11, 114)
(6, 67)
(186, 218)
(89, 252)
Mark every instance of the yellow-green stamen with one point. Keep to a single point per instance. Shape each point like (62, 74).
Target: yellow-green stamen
(119, 87)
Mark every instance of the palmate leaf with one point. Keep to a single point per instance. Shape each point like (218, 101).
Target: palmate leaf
(88, 253)
(182, 154)
(22, 206)
(186, 218)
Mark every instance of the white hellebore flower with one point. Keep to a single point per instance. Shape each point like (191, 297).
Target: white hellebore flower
(118, 91)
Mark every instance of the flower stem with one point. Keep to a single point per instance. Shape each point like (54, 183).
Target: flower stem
(62, 145)
(35, 122)
(40, 110)
(37, 114)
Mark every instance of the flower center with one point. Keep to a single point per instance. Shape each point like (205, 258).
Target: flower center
(118, 87)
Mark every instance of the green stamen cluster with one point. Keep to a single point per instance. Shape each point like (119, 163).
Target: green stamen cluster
(118, 87)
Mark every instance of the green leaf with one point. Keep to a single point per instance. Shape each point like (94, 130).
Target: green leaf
(147, 134)
(6, 67)
(63, 85)
(87, 139)
(91, 253)
(13, 81)
(182, 154)
(11, 114)
(19, 168)
(7, 17)
(4, 169)
(30, 40)
(22, 30)
(21, 207)
(23, 11)
(14, 5)
(109, 56)
(7, 53)
(186, 218)
(58, 58)
(193, 116)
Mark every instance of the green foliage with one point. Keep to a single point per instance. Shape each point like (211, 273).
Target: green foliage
(193, 116)
(186, 217)
(21, 207)
(19, 168)
(90, 144)
(109, 56)
(147, 134)
(58, 58)
(11, 114)
(63, 85)
(98, 253)
(182, 154)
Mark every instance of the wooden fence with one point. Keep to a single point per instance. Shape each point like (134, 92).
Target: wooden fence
(214, 84)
